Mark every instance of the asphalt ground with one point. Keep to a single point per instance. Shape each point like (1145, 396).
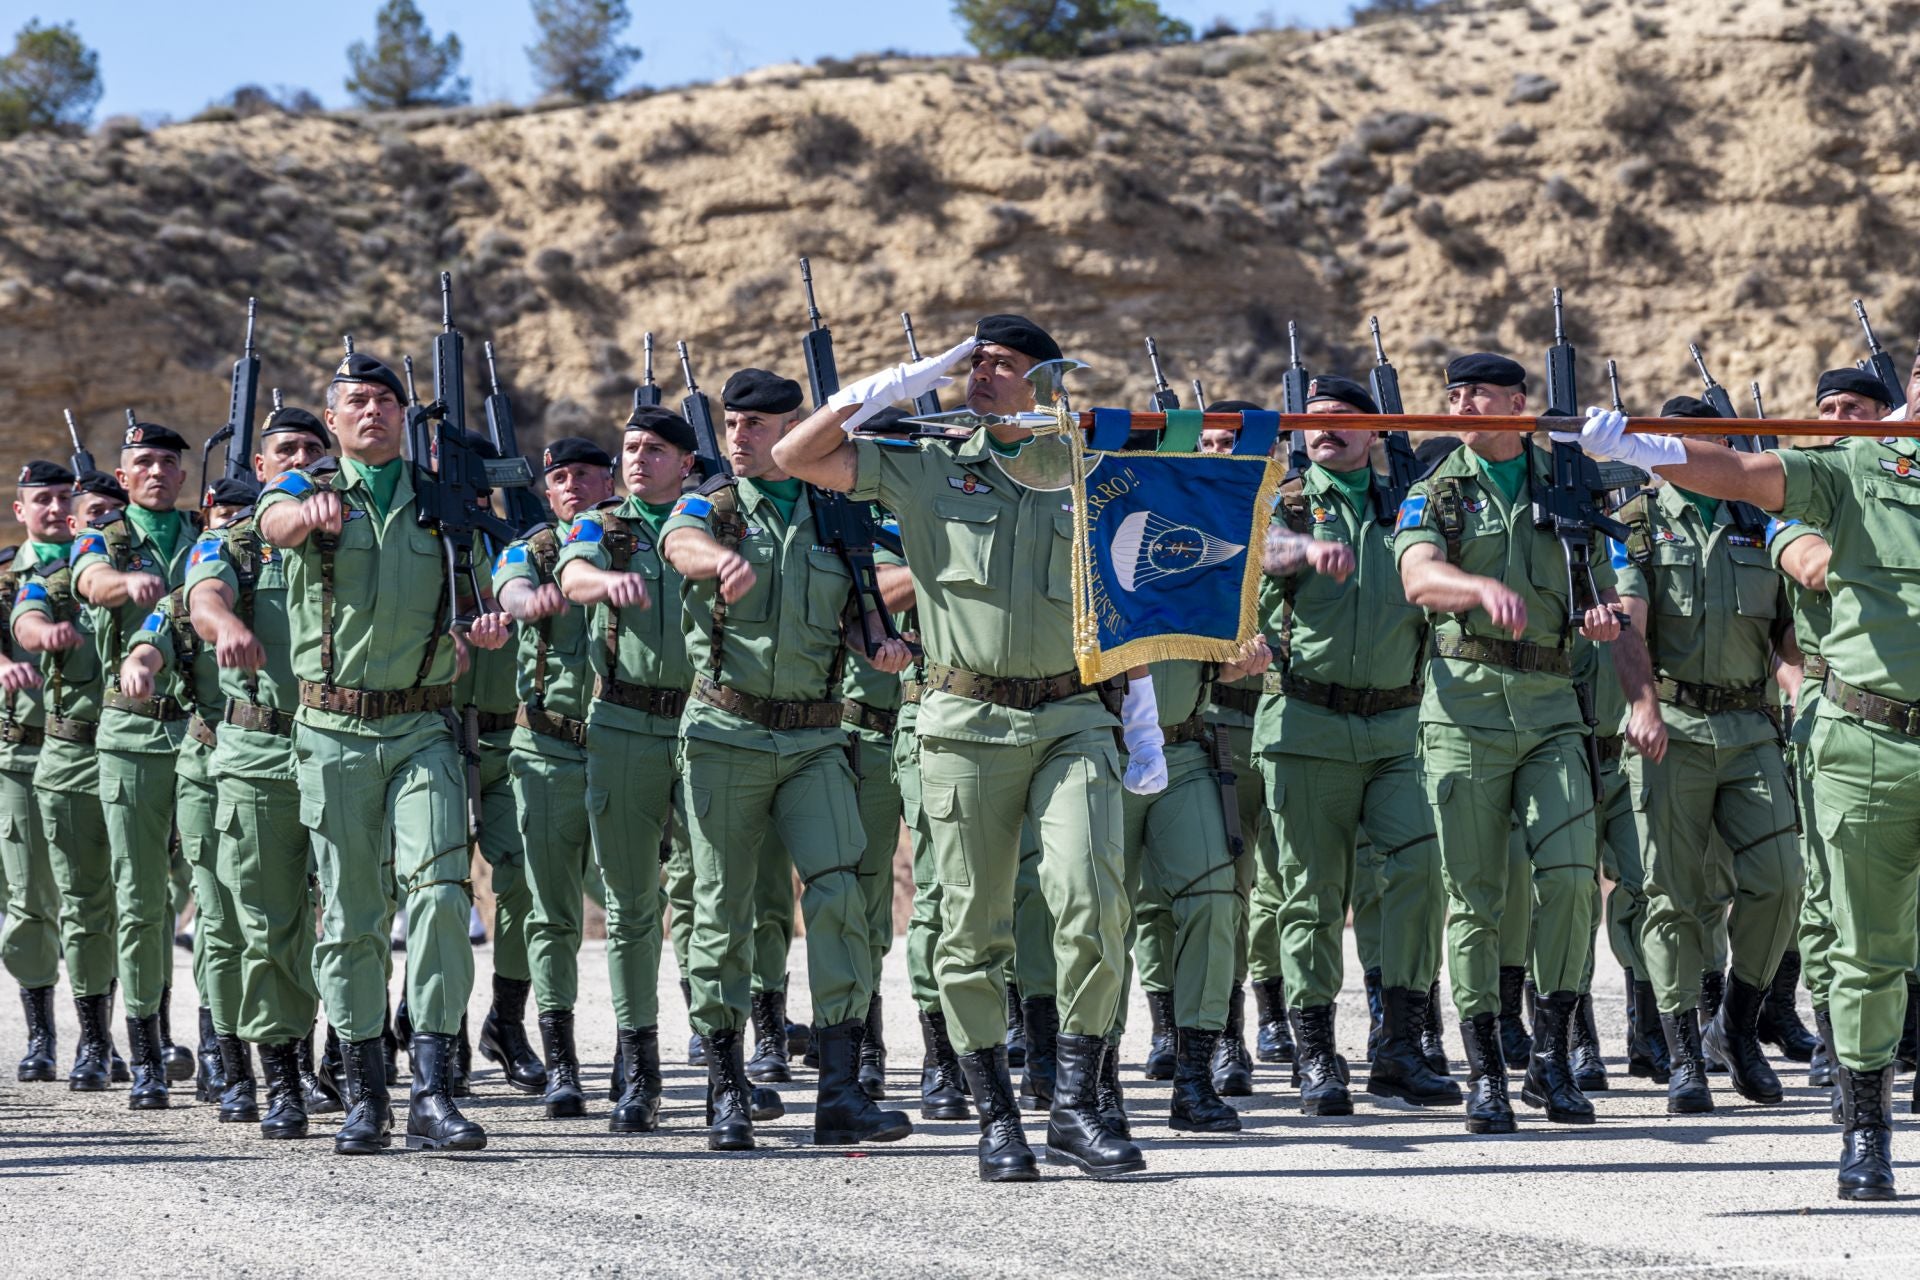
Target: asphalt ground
(87, 1187)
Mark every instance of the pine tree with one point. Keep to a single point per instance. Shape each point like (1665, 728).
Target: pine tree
(51, 81)
(579, 53)
(405, 67)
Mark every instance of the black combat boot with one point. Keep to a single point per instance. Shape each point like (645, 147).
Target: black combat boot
(941, 1095)
(1549, 1080)
(503, 1037)
(239, 1103)
(121, 1075)
(1004, 1153)
(333, 1066)
(1273, 1042)
(1866, 1158)
(1583, 1053)
(1016, 1028)
(178, 1058)
(1197, 1106)
(769, 1064)
(318, 1096)
(1041, 1017)
(763, 1102)
(1516, 1046)
(286, 1115)
(1077, 1134)
(90, 1057)
(395, 1032)
(1159, 1063)
(1108, 1096)
(211, 1080)
(1713, 990)
(1400, 1068)
(1323, 1090)
(368, 1127)
(873, 1052)
(1820, 1069)
(637, 1110)
(1376, 1011)
(434, 1123)
(1908, 1053)
(1646, 1042)
(1232, 1064)
(1433, 1040)
(729, 1120)
(460, 1078)
(1488, 1110)
(696, 1043)
(564, 1097)
(1732, 1037)
(1687, 1090)
(1780, 1023)
(149, 1085)
(38, 1063)
(843, 1112)
(800, 1046)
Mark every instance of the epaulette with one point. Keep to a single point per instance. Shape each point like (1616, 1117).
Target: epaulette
(607, 505)
(324, 466)
(7, 555)
(1433, 466)
(106, 519)
(714, 484)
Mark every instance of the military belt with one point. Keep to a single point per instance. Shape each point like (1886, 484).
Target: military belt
(1192, 729)
(22, 735)
(165, 710)
(1244, 702)
(910, 691)
(1610, 746)
(549, 725)
(1341, 699)
(1816, 667)
(1863, 704)
(201, 731)
(258, 717)
(485, 722)
(1711, 699)
(1004, 691)
(374, 704)
(858, 715)
(767, 712)
(667, 703)
(1515, 655)
(66, 730)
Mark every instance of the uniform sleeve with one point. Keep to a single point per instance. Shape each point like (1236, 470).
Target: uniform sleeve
(515, 564)
(692, 511)
(885, 472)
(210, 560)
(31, 598)
(156, 631)
(1782, 534)
(288, 486)
(1606, 573)
(1415, 524)
(585, 541)
(89, 549)
(1629, 579)
(1816, 483)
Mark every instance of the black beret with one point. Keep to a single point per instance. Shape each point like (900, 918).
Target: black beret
(1331, 386)
(40, 472)
(666, 424)
(1017, 333)
(1858, 381)
(298, 421)
(101, 483)
(571, 449)
(1233, 406)
(757, 391)
(232, 491)
(358, 367)
(151, 435)
(1484, 367)
(1688, 407)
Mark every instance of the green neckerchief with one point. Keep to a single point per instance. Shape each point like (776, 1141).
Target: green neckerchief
(656, 513)
(381, 480)
(1510, 476)
(42, 552)
(1354, 486)
(1707, 507)
(1004, 448)
(161, 528)
(783, 494)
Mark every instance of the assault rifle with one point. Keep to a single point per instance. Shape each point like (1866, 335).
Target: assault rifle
(1759, 406)
(1745, 514)
(1402, 467)
(1567, 507)
(1293, 399)
(1164, 397)
(647, 394)
(1199, 395)
(699, 415)
(82, 458)
(525, 509)
(243, 394)
(1880, 361)
(927, 402)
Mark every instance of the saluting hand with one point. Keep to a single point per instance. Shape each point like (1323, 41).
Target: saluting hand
(736, 577)
(628, 591)
(18, 677)
(1504, 605)
(322, 512)
(1600, 624)
(490, 630)
(239, 647)
(144, 588)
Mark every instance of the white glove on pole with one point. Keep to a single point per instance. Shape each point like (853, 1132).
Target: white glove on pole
(1140, 730)
(1604, 437)
(900, 383)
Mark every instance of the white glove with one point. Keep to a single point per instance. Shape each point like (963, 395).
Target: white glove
(1604, 437)
(900, 383)
(1140, 730)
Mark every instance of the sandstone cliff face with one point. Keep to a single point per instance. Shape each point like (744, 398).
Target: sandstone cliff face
(1732, 174)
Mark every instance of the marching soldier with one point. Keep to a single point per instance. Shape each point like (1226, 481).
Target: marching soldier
(1502, 736)
(121, 569)
(1007, 731)
(378, 767)
(237, 600)
(30, 941)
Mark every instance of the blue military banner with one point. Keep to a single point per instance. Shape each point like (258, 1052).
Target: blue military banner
(1167, 557)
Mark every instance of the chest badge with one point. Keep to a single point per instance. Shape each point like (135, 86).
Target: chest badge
(969, 484)
(1473, 506)
(1322, 515)
(1905, 468)
(1668, 535)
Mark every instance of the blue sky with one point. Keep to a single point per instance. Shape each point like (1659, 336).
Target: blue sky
(175, 56)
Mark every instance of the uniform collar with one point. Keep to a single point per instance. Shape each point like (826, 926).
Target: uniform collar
(1674, 505)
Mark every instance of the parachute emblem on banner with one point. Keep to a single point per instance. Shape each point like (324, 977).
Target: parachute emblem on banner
(1148, 547)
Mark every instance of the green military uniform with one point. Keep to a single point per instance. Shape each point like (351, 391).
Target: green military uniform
(379, 772)
(1006, 731)
(263, 859)
(1714, 607)
(139, 741)
(30, 941)
(1812, 617)
(1620, 859)
(873, 701)
(488, 686)
(1501, 734)
(763, 752)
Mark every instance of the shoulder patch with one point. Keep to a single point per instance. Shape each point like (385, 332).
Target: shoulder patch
(90, 543)
(1619, 553)
(293, 483)
(29, 591)
(583, 531)
(514, 554)
(154, 622)
(1774, 527)
(690, 504)
(207, 548)
(1413, 513)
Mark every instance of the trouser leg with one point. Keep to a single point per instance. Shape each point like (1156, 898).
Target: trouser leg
(1074, 797)
(550, 795)
(1470, 780)
(1755, 817)
(816, 811)
(30, 941)
(262, 857)
(880, 808)
(218, 943)
(1556, 802)
(1674, 802)
(1316, 808)
(83, 876)
(1033, 969)
(632, 779)
(730, 799)
(504, 847)
(136, 800)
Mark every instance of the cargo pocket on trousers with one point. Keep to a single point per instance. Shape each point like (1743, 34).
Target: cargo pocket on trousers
(706, 859)
(312, 781)
(940, 801)
(115, 791)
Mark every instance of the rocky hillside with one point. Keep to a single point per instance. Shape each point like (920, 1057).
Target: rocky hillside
(1732, 174)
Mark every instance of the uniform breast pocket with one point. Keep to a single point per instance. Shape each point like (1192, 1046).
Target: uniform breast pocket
(1060, 559)
(1676, 572)
(1756, 587)
(1896, 505)
(968, 525)
(828, 586)
(757, 603)
(355, 557)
